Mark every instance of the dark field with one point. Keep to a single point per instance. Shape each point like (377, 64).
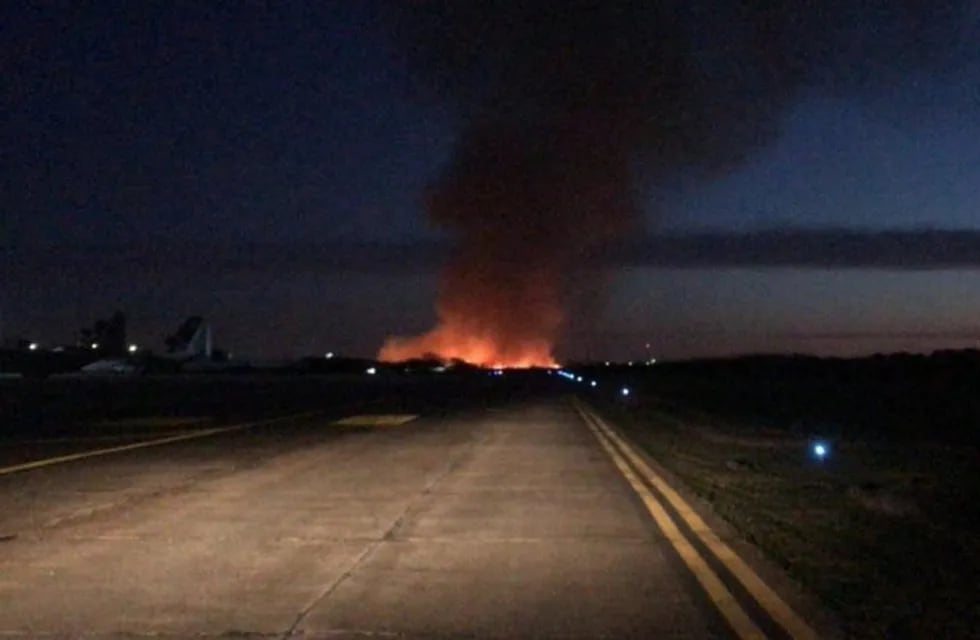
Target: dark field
(66, 404)
(904, 397)
(59, 415)
(886, 530)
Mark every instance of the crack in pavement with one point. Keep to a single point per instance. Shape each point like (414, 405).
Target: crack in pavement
(387, 536)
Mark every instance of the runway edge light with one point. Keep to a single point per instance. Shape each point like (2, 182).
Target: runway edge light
(820, 450)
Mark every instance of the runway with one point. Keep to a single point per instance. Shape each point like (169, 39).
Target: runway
(501, 522)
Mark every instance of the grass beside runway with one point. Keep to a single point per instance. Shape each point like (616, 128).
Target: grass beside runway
(41, 419)
(884, 533)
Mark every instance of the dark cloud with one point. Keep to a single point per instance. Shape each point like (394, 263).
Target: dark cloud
(815, 249)
(823, 249)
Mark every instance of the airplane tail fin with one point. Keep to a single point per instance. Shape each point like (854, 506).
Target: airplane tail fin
(191, 340)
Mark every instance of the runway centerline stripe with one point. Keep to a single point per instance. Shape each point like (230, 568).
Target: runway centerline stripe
(762, 593)
(717, 592)
(93, 453)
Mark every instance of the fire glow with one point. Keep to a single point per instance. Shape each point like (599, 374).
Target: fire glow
(451, 341)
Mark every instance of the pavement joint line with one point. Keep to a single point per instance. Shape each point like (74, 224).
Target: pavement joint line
(324, 593)
(387, 537)
(762, 593)
(726, 603)
(93, 453)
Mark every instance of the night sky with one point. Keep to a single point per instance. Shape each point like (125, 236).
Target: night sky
(265, 168)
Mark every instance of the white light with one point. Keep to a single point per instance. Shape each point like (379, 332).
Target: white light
(371, 371)
(629, 364)
(95, 345)
(625, 391)
(579, 378)
(820, 450)
(593, 384)
(32, 346)
(328, 355)
(133, 348)
(607, 363)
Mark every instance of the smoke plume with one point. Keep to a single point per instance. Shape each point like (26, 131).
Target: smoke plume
(565, 108)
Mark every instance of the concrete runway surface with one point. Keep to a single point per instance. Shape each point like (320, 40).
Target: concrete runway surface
(500, 523)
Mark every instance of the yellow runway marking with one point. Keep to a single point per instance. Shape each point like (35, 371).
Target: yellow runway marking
(47, 462)
(720, 596)
(768, 599)
(380, 420)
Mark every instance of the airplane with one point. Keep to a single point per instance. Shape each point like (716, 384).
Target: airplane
(189, 349)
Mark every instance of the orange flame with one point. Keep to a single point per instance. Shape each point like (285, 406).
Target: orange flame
(489, 317)
(452, 341)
